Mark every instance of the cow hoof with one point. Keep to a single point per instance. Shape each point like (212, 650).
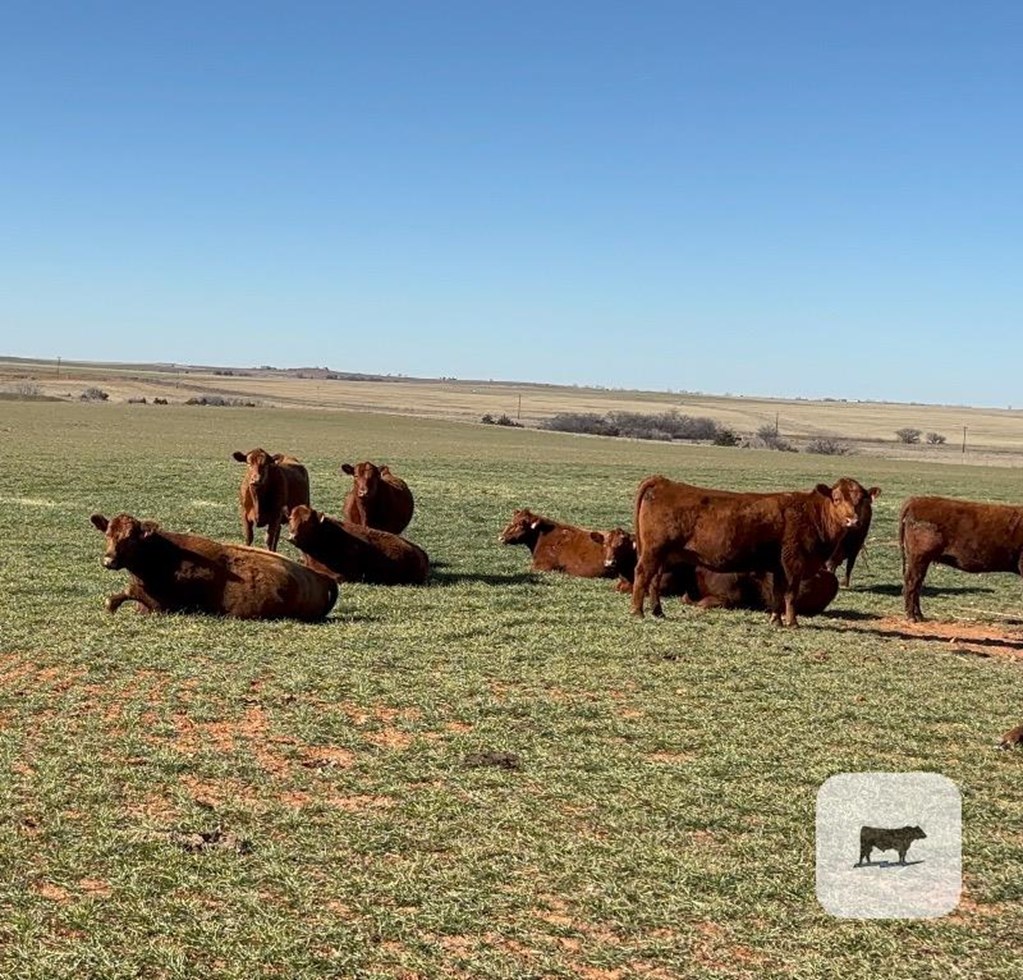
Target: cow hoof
(110, 605)
(657, 612)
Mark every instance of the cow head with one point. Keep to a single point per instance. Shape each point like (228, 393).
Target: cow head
(302, 524)
(124, 535)
(916, 833)
(366, 476)
(849, 501)
(259, 463)
(523, 527)
(619, 549)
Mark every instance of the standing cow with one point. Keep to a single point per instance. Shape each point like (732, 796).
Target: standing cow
(377, 498)
(970, 536)
(790, 534)
(849, 547)
(270, 484)
(187, 573)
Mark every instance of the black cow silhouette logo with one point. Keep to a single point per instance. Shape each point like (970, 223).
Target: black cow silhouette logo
(884, 839)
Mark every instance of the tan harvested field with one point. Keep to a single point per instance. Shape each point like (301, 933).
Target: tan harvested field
(994, 436)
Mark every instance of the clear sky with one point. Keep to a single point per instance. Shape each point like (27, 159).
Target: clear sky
(786, 198)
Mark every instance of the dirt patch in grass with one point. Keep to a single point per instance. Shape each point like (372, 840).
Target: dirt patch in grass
(671, 758)
(51, 892)
(978, 638)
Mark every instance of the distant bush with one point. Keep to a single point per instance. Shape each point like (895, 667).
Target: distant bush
(219, 401)
(488, 419)
(584, 422)
(137, 401)
(768, 437)
(93, 395)
(935, 438)
(726, 437)
(159, 401)
(507, 420)
(828, 447)
(908, 436)
(663, 426)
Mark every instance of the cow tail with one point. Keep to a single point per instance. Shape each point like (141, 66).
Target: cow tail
(640, 494)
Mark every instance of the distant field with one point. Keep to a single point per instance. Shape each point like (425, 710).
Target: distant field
(994, 436)
(188, 796)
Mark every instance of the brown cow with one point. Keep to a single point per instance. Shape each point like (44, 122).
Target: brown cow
(849, 547)
(791, 534)
(377, 498)
(186, 573)
(557, 547)
(270, 484)
(353, 553)
(724, 590)
(970, 536)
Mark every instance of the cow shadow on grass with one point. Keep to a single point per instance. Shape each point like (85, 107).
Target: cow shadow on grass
(444, 579)
(888, 864)
(849, 614)
(895, 589)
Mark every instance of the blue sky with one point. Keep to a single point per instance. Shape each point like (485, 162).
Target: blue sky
(786, 198)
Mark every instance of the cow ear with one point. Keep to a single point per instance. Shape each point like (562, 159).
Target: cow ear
(535, 524)
(277, 457)
(100, 522)
(874, 492)
(348, 468)
(597, 536)
(148, 528)
(239, 456)
(823, 489)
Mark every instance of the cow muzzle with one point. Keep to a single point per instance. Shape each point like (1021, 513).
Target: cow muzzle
(109, 561)
(852, 522)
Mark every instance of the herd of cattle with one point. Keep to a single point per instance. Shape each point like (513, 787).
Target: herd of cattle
(776, 552)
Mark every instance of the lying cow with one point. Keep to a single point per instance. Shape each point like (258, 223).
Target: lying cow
(353, 553)
(723, 590)
(557, 547)
(377, 498)
(970, 536)
(849, 547)
(790, 534)
(186, 573)
(270, 484)
(883, 839)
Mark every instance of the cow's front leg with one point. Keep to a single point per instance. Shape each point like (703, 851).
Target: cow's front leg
(790, 602)
(115, 601)
(778, 597)
(247, 530)
(273, 531)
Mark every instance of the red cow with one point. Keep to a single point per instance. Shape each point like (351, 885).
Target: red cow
(725, 590)
(970, 536)
(557, 547)
(186, 573)
(270, 484)
(791, 534)
(353, 553)
(377, 498)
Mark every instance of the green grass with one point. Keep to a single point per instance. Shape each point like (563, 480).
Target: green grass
(661, 825)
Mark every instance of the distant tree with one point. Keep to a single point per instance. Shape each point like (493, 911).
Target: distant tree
(935, 438)
(94, 395)
(488, 419)
(908, 436)
(828, 447)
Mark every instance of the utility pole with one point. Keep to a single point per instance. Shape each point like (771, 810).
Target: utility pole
(964, 438)
(58, 367)
(519, 416)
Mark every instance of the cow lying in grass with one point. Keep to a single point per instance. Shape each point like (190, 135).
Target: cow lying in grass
(186, 573)
(724, 590)
(557, 547)
(353, 553)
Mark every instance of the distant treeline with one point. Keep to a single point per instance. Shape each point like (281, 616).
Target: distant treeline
(664, 426)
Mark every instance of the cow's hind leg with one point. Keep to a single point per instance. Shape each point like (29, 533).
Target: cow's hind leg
(639, 587)
(912, 583)
(778, 597)
(247, 530)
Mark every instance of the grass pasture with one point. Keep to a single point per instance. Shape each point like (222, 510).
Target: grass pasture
(188, 796)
